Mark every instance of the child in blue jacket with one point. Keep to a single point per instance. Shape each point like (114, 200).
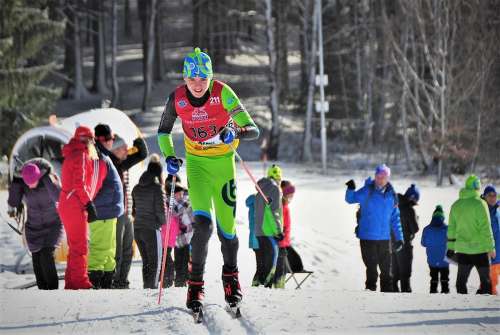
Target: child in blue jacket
(434, 239)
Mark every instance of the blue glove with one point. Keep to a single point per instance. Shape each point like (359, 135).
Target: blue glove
(227, 135)
(173, 164)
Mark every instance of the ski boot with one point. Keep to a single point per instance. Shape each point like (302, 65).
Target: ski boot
(232, 289)
(195, 294)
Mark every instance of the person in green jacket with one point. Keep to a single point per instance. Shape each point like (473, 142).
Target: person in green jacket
(470, 238)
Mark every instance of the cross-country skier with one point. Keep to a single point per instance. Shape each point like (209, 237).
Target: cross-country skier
(213, 120)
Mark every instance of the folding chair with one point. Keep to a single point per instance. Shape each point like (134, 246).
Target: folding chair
(294, 266)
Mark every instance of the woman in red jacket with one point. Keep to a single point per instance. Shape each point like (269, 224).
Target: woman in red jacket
(81, 176)
(288, 191)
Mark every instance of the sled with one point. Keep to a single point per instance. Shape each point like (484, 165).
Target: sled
(294, 267)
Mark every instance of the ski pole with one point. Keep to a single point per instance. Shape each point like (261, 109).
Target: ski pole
(11, 226)
(167, 236)
(247, 170)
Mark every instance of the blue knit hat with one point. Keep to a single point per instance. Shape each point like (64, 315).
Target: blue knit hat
(413, 193)
(383, 169)
(489, 189)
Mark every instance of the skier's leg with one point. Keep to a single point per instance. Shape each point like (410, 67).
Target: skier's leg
(369, 256)
(37, 269)
(384, 261)
(49, 268)
(445, 274)
(464, 269)
(434, 279)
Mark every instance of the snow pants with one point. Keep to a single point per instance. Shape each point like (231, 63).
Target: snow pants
(268, 255)
(377, 254)
(102, 246)
(440, 275)
(212, 187)
(124, 251)
(45, 269)
(494, 274)
(74, 218)
(401, 268)
(168, 276)
(281, 270)
(465, 264)
(150, 247)
(181, 261)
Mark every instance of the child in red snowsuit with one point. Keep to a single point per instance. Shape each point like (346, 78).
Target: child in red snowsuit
(288, 191)
(82, 175)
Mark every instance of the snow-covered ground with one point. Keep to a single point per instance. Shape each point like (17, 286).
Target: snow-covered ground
(331, 301)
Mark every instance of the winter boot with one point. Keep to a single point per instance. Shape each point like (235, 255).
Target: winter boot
(434, 286)
(405, 285)
(395, 286)
(232, 289)
(95, 277)
(107, 279)
(444, 287)
(195, 294)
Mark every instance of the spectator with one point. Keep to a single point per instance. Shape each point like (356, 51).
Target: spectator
(490, 195)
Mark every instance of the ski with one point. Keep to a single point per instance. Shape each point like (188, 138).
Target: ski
(234, 310)
(32, 284)
(198, 314)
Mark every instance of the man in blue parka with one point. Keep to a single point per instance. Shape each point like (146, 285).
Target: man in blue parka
(379, 214)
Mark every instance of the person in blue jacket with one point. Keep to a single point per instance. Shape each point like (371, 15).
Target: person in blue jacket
(434, 239)
(109, 205)
(491, 197)
(379, 214)
(253, 242)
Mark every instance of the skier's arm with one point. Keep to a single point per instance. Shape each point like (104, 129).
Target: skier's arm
(452, 228)
(165, 129)
(355, 197)
(396, 223)
(138, 156)
(484, 225)
(246, 128)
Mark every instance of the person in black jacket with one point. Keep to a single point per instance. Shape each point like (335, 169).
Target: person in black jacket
(148, 209)
(402, 261)
(123, 159)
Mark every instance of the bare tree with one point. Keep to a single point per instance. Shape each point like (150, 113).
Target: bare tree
(149, 12)
(114, 45)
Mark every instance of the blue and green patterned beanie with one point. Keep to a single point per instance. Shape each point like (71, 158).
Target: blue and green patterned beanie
(197, 64)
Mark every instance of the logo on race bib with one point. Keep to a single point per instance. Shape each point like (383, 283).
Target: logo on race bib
(182, 103)
(199, 114)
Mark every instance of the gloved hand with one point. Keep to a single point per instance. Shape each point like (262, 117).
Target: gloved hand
(173, 164)
(351, 185)
(12, 211)
(227, 135)
(279, 237)
(451, 255)
(91, 212)
(398, 246)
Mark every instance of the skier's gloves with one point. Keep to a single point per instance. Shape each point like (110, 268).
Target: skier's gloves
(351, 185)
(279, 237)
(398, 246)
(227, 135)
(91, 212)
(173, 164)
(451, 254)
(11, 211)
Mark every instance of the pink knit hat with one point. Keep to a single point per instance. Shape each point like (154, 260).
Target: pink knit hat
(287, 187)
(31, 173)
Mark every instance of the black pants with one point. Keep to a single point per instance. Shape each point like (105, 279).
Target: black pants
(377, 254)
(181, 261)
(268, 259)
(465, 264)
(202, 230)
(44, 267)
(149, 245)
(258, 268)
(401, 268)
(281, 270)
(168, 276)
(124, 250)
(440, 275)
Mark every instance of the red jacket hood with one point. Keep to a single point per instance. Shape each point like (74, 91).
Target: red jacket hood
(73, 146)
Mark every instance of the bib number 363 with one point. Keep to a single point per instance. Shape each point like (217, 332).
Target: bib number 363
(204, 132)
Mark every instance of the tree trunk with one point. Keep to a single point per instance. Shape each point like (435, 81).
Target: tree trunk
(307, 150)
(159, 61)
(126, 19)
(148, 75)
(272, 149)
(80, 91)
(99, 73)
(114, 45)
(281, 10)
